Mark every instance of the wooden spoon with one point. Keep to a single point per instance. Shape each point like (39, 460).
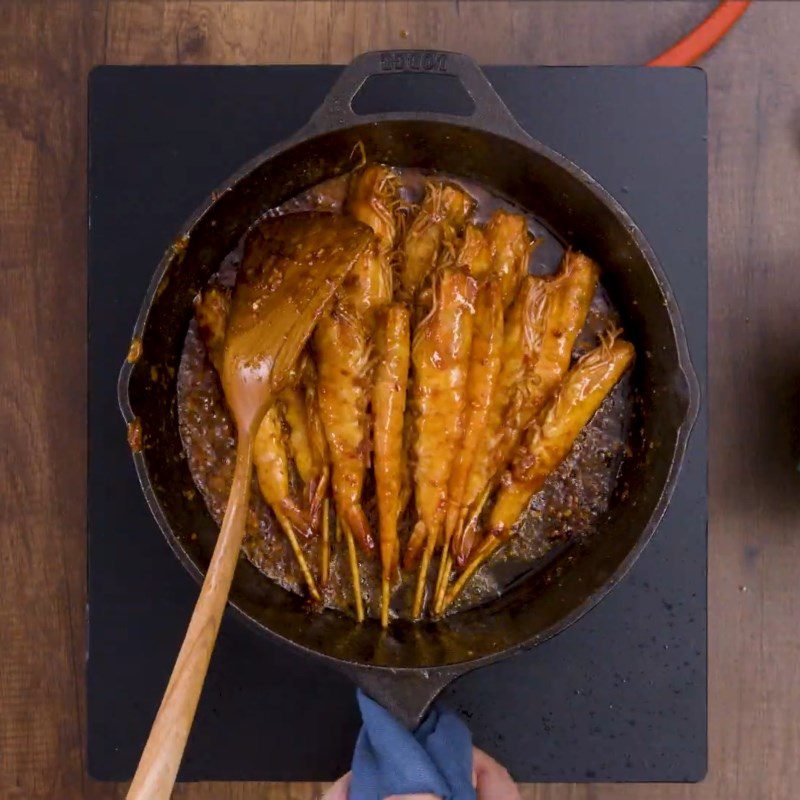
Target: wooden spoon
(292, 267)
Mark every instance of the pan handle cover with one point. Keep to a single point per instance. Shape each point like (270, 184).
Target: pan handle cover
(407, 694)
(489, 113)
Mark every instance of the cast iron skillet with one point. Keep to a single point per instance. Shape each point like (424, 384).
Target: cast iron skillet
(406, 667)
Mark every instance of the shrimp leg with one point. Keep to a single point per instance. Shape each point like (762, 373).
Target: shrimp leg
(388, 408)
(547, 443)
(484, 369)
(321, 456)
(325, 544)
(272, 471)
(440, 355)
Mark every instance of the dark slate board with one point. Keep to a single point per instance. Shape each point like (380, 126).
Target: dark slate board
(620, 696)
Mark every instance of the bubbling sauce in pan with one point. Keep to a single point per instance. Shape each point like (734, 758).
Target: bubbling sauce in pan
(569, 506)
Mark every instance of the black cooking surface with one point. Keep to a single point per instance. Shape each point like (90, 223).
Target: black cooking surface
(620, 696)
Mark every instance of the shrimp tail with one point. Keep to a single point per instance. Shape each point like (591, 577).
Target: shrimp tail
(356, 521)
(467, 534)
(300, 519)
(466, 542)
(414, 546)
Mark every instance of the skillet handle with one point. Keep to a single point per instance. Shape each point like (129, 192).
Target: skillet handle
(336, 111)
(407, 694)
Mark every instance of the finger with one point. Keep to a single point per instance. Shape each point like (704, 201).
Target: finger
(338, 790)
(492, 779)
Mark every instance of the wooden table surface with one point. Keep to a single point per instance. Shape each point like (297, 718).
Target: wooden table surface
(754, 85)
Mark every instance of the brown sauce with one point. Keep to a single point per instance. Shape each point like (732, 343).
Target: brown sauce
(569, 506)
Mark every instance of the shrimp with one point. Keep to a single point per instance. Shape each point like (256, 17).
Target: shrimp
(547, 443)
(293, 402)
(441, 216)
(367, 288)
(502, 252)
(440, 355)
(342, 349)
(272, 471)
(271, 462)
(510, 245)
(568, 305)
(305, 442)
(341, 346)
(541, 329)
(572, 292)
(522, 337)
(388, 408)
(484, 370)
(372, 197)
(472, 254)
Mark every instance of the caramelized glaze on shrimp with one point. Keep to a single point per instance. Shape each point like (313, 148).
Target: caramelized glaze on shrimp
(482, 388)
(569, 298)
(388, 409)
(272, 463)
(547, 443)
(342, 349)
(341, 345)
(484, 369)
(522, 337)
(440, 355)
(541, 328)
(572, 292)
(372, 198)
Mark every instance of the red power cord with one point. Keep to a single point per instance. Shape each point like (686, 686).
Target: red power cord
(707, 34)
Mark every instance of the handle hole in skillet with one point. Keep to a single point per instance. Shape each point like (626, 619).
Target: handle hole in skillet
(414, 92)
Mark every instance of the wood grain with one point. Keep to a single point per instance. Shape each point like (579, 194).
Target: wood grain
(47, 50)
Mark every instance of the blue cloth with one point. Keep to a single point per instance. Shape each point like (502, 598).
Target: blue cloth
(389, 759)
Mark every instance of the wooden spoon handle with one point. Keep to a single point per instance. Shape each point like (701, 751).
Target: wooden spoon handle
(158, 766)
